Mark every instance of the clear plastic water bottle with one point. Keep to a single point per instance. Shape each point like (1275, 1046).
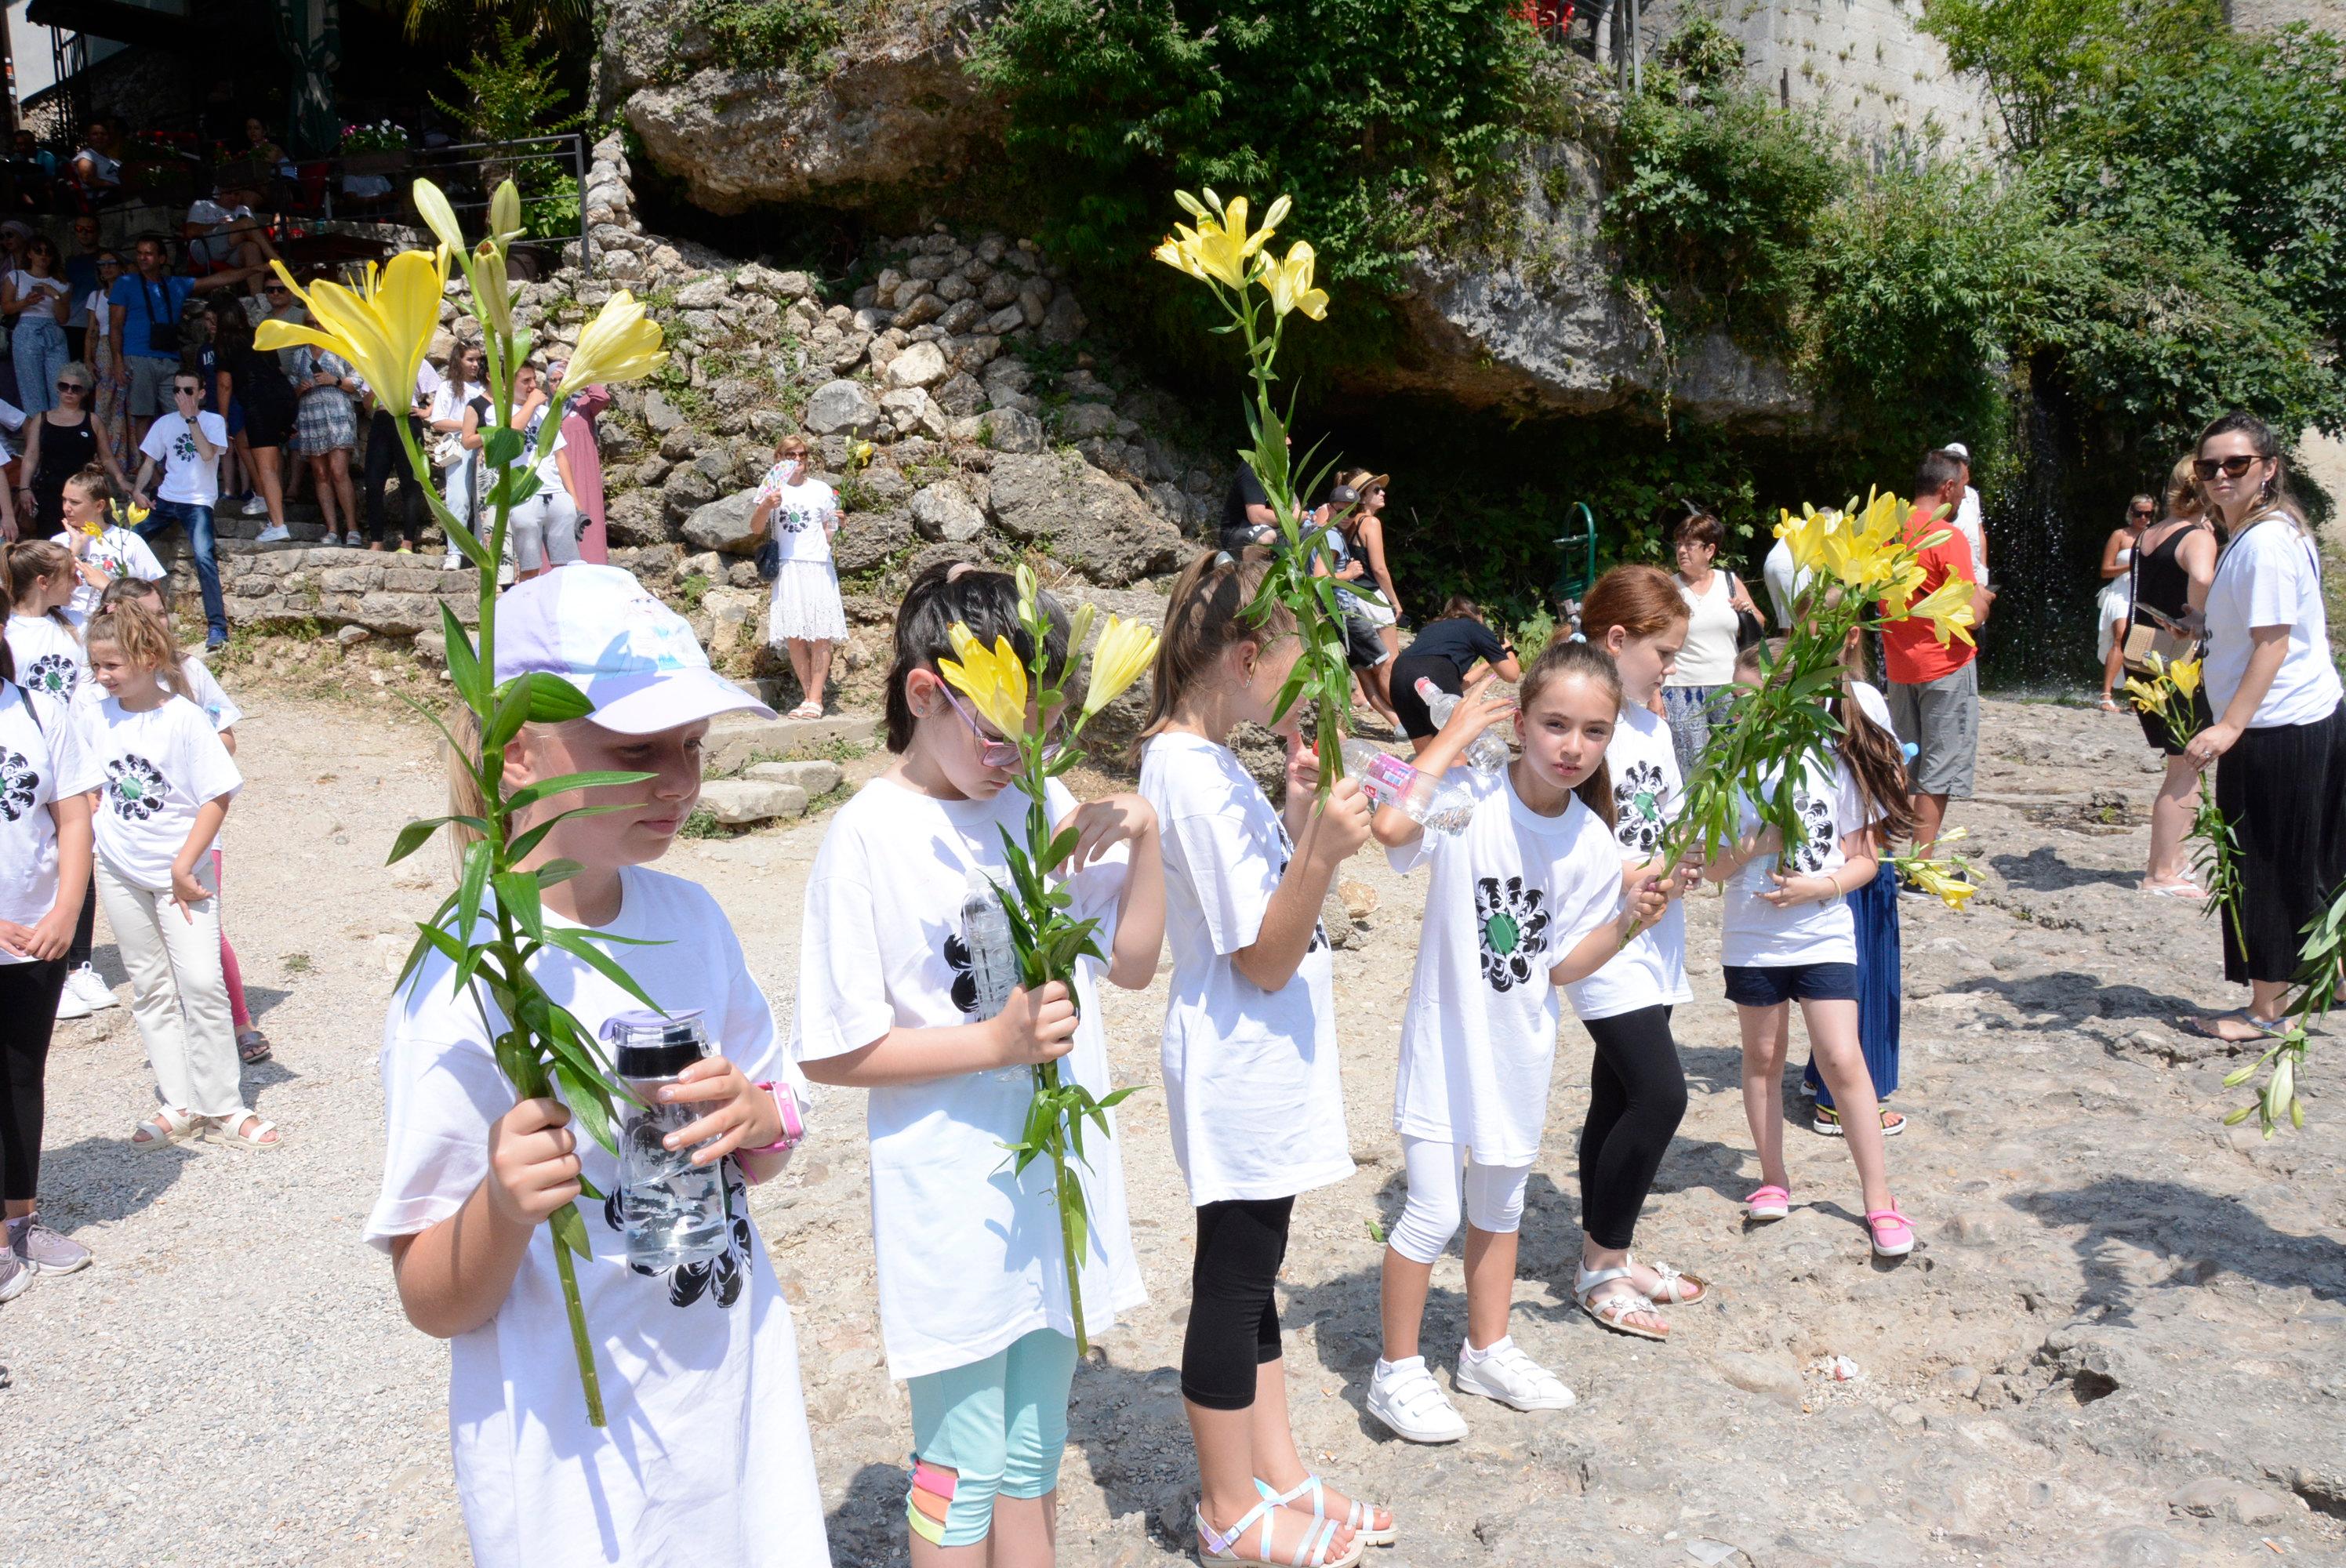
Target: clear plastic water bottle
(670, 1210)
(1383, 778)
(985, 932)
(1487, 751)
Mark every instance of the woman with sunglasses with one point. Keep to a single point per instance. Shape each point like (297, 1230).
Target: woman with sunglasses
(259, 386)
(33, 297)
(110, 374)
(2278, 731)
(59, 444)
(2116, 601)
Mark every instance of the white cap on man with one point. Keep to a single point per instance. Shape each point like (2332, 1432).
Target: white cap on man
(1958, 451)
(629, 654)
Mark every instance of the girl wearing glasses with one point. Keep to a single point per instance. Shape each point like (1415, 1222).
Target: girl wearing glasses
(33, 297)
(808, 617)
(2278, 730)
(900, 994)
(2116, 601)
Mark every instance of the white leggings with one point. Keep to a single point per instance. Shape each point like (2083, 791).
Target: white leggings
(1441, 1177)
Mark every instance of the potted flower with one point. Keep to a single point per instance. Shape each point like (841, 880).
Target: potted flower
(380, 147)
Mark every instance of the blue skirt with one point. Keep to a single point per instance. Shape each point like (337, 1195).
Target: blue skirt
(1874, 907)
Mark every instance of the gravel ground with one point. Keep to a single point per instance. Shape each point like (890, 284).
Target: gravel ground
(2121, 1342)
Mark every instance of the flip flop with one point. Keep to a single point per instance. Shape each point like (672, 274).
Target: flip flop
(2205, 1027)
(2191, 890)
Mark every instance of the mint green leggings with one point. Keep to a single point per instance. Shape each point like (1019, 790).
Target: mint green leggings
(994, 1428)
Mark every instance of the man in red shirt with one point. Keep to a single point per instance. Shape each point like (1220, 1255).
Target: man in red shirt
(1935, 690)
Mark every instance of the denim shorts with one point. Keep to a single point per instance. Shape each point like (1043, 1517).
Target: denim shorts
(1767, 985)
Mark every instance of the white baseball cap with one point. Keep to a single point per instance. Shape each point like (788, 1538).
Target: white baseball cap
(1957, 449)
(629, 654)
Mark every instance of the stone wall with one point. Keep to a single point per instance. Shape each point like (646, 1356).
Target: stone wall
(1867, 62)
(287, 585)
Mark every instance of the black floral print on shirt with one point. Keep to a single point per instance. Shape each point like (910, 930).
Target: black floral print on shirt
(20, 784)
(1817, 833)
(135, 787)
(53, 675)
(720, 1277)
(1512, 929)
(1638, 808)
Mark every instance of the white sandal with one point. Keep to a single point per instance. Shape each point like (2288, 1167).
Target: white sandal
(176, 1127)
(1679, 1290)
(1361, 1516)
(228, 1130)
(1614, 1311)
(1312, 1552)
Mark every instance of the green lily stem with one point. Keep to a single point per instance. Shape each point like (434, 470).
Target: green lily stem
(530, 1082)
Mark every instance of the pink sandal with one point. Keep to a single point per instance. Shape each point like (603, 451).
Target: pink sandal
(1768, 1203)
(1893, 1235)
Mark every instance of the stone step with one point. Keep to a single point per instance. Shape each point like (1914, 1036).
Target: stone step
(744, 802)
(734, 746)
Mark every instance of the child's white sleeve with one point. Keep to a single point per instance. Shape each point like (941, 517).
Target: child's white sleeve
(440, 1099)
(210, 771)
(1223, 859)
(1851, 811)
(843, 1001)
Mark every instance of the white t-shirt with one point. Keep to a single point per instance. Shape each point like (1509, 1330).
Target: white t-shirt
(706, 1458)
(1509, 895)
(1785, 582)
(801, 510)
(161, 767)
(187, 478)
(49, 657)
(97, 308)
(217, 705)
(1650, 971)
(1968, 522)
(1708, 659)
(2269, 575)
(117, 552)
(41, 759)
(1251, 1080)
(27, 285)
(969, 1252)
(1754, 933)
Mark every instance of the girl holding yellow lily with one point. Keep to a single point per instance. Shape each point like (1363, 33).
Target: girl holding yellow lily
(103, 549)
(2174, 563)
(909, 987)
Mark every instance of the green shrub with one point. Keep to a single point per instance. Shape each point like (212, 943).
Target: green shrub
(1383, 119)
(755, 34)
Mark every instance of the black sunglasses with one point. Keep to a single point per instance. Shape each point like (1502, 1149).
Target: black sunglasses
(2141, 512)
(74, 387)
(2230, 467)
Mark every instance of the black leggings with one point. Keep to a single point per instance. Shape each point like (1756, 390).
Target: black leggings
(84, 934)
(386, 458)
(28, 1012)
(1637, 1094)
(1233, 1318)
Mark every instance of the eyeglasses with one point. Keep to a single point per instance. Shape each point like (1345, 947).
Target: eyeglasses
(2230, 467)
(2140, 512)
(992, 750)
(274, 289)
(74, 387)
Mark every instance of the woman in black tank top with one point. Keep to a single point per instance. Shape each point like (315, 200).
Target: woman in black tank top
(59, 444)
(2173, 562)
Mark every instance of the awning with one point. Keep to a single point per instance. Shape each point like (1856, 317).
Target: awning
(116, 19)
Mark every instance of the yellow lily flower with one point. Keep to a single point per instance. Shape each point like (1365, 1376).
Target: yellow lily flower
(1223, 250)
(2185, 674)
(1948, 609)
(1080, 632)
(863, 450)
(133, 515)
(1289, 283)
(431, 205)
(619, 346)
(2147, 697)
(1176, 253)
(381, 328)
(1127, 648)
(491, 291)
(993, 679)
(504, 214)
(1806, 534)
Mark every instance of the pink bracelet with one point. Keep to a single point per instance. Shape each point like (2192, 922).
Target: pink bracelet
(793, 1126)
